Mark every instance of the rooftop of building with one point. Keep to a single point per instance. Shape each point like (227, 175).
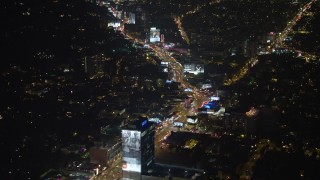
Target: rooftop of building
(141, 124)
(164, 171)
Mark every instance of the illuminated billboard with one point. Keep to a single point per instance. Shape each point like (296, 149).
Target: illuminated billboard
(114, 24)
(214, 98)
(194, 68)
(154, 35)
(192, 119)
(206, 86)
(156, 120)
(132, 18)
(165, 66)
(177, 124)
(131, 151)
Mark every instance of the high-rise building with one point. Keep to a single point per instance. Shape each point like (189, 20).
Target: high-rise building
(137, 148)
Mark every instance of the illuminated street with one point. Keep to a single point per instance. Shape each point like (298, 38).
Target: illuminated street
(113, 172)
(278, 42)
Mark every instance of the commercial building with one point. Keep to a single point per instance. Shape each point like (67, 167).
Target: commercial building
(103, 153)
(137, 148)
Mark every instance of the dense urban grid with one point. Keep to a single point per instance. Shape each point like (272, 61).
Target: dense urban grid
(167, 89)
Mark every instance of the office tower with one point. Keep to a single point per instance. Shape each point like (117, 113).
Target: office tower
(137, 148)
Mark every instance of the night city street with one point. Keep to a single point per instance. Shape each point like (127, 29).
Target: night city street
(166, 89)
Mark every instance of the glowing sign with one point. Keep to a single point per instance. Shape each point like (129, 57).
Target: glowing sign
(192, 120)
(206, 86)
(154, 35)
(114, 24)
(164, 64)
(156, 120)
(162, 38)
(132, 18)
(210, 105)
(144, 122)
(177, 124)
(131, 150)
(214, 98)
(194, 68)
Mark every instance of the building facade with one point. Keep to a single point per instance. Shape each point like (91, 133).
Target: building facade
(137, 148)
